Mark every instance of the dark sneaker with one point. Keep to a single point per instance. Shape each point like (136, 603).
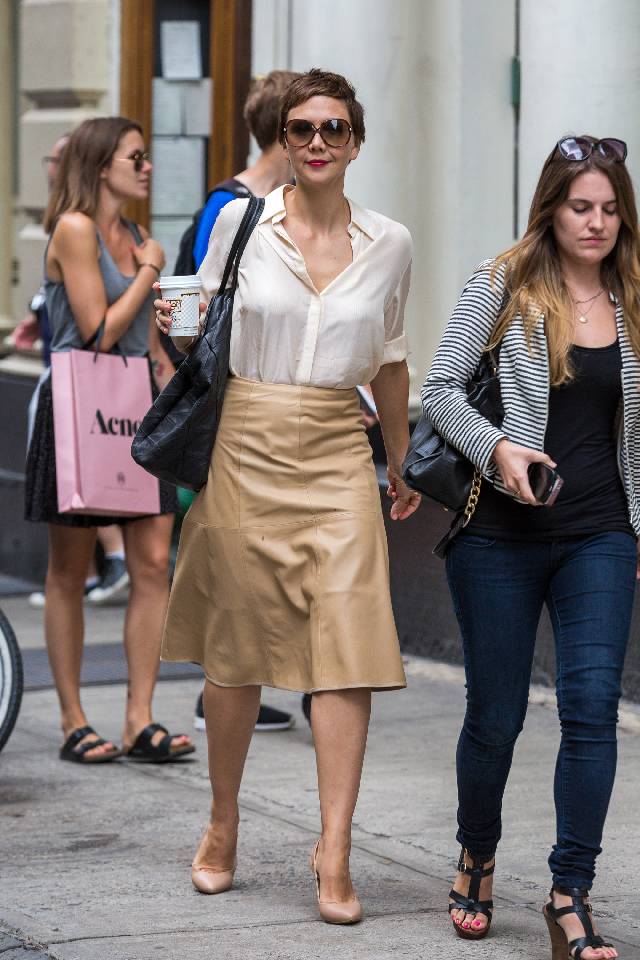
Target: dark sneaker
(268, 718)
(114, 585)
(198, 720)
(271, 719)
(306, 706)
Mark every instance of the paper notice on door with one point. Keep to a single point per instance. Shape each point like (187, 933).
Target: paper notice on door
(180, 50)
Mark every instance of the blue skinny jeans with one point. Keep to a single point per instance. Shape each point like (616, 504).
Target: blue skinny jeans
(498, 589)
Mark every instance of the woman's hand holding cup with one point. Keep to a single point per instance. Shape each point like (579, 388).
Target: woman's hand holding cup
(164, 320)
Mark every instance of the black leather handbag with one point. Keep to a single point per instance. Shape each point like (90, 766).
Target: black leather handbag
(436, 469)
(175, 440)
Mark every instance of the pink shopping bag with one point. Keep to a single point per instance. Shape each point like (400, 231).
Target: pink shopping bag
(98, 403)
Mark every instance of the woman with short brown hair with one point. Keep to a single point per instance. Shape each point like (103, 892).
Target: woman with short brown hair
(282, 572)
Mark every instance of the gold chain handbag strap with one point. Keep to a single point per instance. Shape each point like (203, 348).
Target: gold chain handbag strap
(474, 496)
(474, 493)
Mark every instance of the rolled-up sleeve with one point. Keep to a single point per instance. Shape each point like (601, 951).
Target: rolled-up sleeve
(395, 339)
(224, 230)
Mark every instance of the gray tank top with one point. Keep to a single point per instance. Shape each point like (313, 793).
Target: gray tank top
(65, 335)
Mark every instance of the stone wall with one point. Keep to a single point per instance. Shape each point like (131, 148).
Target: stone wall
(67, 74)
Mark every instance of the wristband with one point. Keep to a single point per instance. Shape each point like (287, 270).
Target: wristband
(152, 265)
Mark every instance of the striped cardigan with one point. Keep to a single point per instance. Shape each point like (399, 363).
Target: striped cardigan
(524, 384)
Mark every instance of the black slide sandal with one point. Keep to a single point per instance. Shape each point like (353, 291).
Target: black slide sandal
(77, 754)
(144, 751)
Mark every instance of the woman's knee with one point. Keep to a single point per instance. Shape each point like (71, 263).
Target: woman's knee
(150, 567)
(592, 702)
(65, 572)
(597, 709)
(493, 732)
(70, 551)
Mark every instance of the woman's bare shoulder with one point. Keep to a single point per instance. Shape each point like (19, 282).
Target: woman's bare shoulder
(74, 228)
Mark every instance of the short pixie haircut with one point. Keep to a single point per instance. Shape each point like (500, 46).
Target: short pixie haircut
(322, 83)
(262, 106)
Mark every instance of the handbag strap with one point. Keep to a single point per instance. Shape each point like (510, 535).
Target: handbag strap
(251, 216)
(461, 519)
(96, 337)
(494, 356)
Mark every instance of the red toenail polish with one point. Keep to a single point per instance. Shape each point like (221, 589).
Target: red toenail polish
(465, 925)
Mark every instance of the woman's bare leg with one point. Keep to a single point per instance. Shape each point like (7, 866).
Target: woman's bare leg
(70, 550)
(340, 721)
(147, 549)
(111, 539)
(230, 715)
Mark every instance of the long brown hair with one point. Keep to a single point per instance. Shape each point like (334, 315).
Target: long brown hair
(90, 148)
(532, 266)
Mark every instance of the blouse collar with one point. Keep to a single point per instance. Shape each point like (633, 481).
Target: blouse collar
(361, 219)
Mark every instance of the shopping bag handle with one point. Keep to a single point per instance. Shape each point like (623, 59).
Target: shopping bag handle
(96, 337)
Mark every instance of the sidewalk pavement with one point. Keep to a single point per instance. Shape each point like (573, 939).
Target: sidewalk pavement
(94, 862)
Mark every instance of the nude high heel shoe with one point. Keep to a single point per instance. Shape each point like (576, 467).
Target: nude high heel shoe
(334, 911)
(211, 879)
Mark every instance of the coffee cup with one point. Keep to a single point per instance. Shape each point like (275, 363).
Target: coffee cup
(183, 293)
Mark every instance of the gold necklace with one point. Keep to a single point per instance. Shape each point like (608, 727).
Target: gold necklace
(589, 299)
(584, 317)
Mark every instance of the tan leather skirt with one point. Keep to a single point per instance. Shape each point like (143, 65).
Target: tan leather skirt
(282, 573)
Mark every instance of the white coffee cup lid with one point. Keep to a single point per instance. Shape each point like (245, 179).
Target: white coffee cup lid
(185, 283)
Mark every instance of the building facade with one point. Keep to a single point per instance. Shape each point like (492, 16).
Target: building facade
(463, 101)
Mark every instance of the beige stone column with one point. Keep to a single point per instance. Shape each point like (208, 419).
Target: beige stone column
(67, 49)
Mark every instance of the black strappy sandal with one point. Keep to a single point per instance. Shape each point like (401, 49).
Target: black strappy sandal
(143, 750)
(77, 752)
(471, 903)
(561, 947)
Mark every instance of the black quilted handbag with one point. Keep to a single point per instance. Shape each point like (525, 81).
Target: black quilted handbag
(175, 440)
(436, 469)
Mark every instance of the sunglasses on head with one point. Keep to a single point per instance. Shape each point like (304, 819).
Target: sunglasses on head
(138, 158)
(335, 132)
(580, 148)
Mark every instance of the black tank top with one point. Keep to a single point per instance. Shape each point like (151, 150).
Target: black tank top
(581, 438)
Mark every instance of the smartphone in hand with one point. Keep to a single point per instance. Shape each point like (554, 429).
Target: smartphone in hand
(545, 483)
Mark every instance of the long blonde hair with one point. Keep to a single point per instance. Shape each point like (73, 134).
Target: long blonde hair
(532, 266)
(90, 149)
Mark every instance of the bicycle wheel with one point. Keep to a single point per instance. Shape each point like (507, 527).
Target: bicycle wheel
(11, 679)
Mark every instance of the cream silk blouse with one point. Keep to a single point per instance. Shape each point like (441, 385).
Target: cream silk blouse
(284, 330)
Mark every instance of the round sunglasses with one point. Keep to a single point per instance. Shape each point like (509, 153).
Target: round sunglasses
(334, 132)
(580, 148)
